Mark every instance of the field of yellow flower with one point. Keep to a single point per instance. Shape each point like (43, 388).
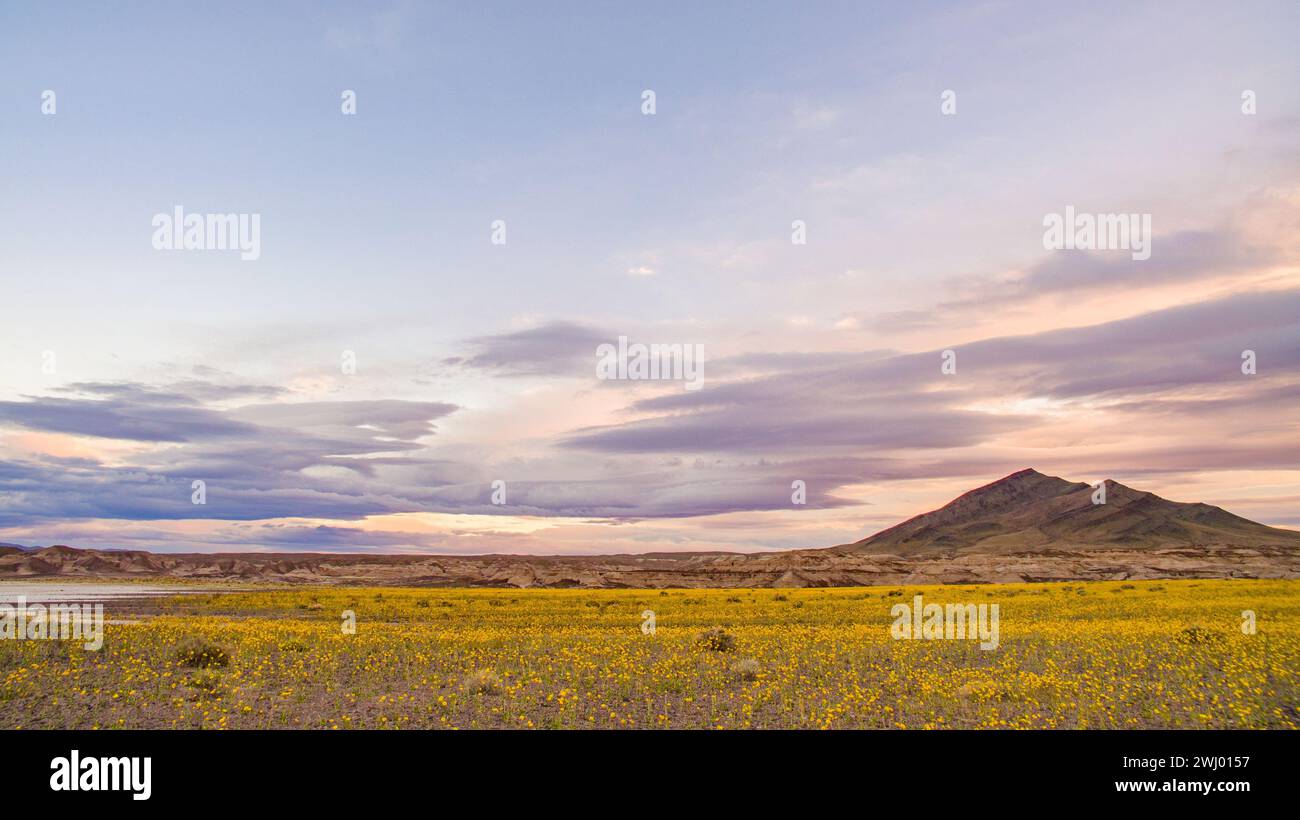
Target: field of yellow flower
(1138, 654)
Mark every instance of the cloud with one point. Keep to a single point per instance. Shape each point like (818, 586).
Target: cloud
(186, 391)
(554, 349)
(1179, 257)
(120, 418)
(763, 427)
(402, 421)
(904, 401)
(259, 460)
(1176, 258)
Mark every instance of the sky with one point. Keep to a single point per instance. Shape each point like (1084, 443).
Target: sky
(841, 204)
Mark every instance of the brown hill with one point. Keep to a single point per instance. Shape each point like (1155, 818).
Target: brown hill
(1031, 512)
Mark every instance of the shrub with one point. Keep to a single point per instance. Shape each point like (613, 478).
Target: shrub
(718, 640)
(206, 684)
(482, 682)
(199, 655)
(746, 669)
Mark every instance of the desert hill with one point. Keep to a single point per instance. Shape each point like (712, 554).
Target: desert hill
(1028, 511)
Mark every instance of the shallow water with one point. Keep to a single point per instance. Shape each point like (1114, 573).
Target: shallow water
(44, 593)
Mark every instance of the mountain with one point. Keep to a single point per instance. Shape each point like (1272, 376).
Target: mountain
(1031, 512)
(1024, 527)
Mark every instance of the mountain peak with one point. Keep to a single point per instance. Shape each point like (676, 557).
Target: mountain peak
(1026, 476)
(1016, 484)
(1027, 472)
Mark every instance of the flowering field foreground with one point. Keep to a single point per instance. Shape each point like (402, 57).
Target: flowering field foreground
(1136, 654)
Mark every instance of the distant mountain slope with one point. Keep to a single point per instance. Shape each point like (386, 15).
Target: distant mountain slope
(1031, 512)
